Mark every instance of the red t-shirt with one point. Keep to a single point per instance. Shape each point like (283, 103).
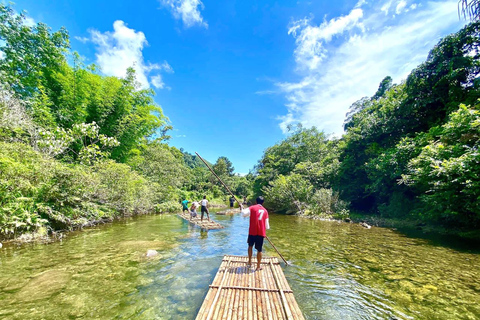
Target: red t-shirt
(258, 216)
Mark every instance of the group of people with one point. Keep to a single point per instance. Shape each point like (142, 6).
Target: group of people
(258, 226)
(193, 208)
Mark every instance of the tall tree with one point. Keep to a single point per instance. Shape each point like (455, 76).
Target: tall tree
(470, 9)
(30, 53)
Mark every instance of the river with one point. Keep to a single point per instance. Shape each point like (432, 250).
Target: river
(338, 271)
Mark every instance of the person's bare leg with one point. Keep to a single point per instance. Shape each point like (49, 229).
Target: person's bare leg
(250, 252)
(259, 259)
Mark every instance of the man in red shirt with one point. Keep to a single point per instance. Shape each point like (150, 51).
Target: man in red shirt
(257, 230)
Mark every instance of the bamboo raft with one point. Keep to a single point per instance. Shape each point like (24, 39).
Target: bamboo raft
(205, 224)
(228, 212)
(239, 292)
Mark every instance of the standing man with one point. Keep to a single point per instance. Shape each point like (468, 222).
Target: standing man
(185, 205)
(204, 204)
(257, 230)
(232, 201)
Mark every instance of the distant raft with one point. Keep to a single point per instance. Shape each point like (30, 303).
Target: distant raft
(228, 212)
(205, 224)
(240, 292)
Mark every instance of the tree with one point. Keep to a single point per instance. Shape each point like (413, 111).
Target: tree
(385, 85)
(447, 172)
(355, 108)
(223, 167)
(30, 54)
(470, 9)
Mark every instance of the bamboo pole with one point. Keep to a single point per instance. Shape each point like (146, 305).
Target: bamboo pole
(239, 204)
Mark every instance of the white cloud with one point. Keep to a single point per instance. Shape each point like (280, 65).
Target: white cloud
(386, 6)
(82, 39)
(157, 81)
(29, 21)
(401, 6)
(187, 10)
(310, 39)
(166, 67)
(353, 66)
(121, 49)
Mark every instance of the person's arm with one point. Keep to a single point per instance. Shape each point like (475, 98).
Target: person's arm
(267, 224)
(245, 212)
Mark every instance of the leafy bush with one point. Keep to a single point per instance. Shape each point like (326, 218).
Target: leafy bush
(168, 207)
(447, 170)
(38, 191)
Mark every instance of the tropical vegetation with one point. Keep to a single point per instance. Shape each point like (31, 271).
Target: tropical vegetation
(78, 147)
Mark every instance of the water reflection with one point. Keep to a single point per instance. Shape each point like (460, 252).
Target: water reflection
(338, 271)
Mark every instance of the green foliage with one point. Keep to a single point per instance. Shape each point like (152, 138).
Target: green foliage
(303, 146)
(386, 133)
(290, 194)
(31, 54)
(37, 191)
(164, 166)
(294, 194)
(447, 170)
(167, 207)
(223, 167)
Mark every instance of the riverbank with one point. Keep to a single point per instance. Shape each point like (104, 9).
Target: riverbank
(42, 235)
(416, 225)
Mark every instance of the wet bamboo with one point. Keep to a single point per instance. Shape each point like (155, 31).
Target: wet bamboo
(239, 204)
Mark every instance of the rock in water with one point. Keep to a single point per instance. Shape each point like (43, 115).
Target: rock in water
(151, 253)
(365, 225)
(43, 285)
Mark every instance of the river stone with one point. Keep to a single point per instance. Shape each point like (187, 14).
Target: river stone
(43, 285)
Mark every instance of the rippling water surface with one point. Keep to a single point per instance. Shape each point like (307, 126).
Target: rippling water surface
(338, 271)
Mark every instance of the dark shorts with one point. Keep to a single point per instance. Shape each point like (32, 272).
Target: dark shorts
(204, 209)
(257, 241)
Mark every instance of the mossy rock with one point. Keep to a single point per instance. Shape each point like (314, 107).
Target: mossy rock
(43, 285)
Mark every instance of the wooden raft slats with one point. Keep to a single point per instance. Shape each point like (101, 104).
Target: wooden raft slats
(238, 292)
(205, 224)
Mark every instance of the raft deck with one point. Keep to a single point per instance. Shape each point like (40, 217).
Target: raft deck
(228, 212)
(240, 292)
(205, 224)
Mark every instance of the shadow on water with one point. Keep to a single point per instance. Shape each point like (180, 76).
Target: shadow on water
(450, 241)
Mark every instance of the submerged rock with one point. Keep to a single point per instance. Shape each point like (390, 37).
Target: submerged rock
(43, 285)
(141, 245)
(365, 225)
(151, 253)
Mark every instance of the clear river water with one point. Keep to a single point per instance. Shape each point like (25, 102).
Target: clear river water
(338, 271)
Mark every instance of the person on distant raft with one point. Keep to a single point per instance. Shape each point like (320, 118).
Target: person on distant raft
(257, 230)
(193, 209)
(232, 201)
(204, 209)
(185, 205)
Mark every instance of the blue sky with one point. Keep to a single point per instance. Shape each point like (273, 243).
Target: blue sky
(231, 75)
